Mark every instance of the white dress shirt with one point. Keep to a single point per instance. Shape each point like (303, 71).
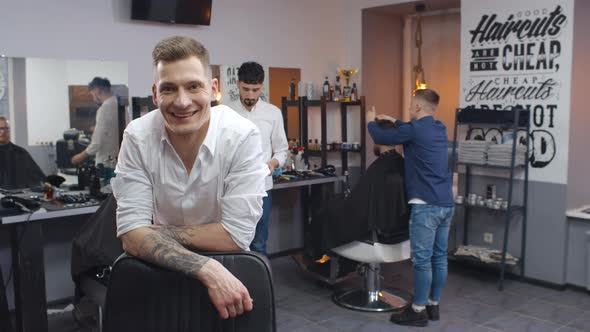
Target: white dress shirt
(226, 183)
(105, 138)
(269, 120)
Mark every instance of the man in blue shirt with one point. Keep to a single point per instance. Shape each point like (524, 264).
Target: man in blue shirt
(429, 189)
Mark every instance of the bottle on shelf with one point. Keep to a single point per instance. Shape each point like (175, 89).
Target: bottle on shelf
(346, 188)
(310, 145)
(354, 93)
(317, 145)
(326, 89)
(337, 89)
(108, 170)
(309, 91)
(346, 92)
(292, 89)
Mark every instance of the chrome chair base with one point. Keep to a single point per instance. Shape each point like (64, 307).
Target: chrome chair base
(381, 301)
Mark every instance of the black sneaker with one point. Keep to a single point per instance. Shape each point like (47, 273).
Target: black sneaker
(410, 317)
(432, 312)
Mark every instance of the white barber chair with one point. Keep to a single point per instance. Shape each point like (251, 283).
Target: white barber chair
(373, 297)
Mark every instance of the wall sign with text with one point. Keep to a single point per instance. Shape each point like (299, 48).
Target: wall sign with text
(520, 53)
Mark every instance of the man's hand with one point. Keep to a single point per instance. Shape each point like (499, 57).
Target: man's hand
(386, 117)
(272, 164)
(229, 296)
(371, 115)
(79, 158)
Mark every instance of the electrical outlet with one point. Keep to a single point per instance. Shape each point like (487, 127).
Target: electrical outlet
(488, 238)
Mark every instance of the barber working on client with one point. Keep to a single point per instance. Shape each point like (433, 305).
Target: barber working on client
(190, 176)
(428, 182)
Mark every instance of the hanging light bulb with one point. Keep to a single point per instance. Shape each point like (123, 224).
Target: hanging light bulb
(419, 76)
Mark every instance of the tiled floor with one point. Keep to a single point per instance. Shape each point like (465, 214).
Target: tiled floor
(470, 302)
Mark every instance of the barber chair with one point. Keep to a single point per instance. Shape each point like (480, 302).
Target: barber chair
(373, 297)
(143, 297)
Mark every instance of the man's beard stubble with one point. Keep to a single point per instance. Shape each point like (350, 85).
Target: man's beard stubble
(249, 102)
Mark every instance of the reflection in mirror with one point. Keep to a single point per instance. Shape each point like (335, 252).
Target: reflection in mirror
(44, 98)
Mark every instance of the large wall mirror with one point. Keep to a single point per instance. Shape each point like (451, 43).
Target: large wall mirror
(43, 98)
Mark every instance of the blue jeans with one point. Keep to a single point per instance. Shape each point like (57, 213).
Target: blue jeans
(259, 242)
(429, 237)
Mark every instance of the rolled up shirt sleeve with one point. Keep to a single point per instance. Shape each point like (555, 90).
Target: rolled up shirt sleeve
(402, 134)
(132, 188)
(280, 146)
(244, 188)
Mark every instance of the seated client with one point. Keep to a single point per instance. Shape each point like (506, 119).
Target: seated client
(376, 204)
(17, 167)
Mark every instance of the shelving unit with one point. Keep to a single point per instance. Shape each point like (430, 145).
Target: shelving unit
(513, 120)
(303, 105)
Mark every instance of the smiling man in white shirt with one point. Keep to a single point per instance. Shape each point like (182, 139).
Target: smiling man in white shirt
(190, 176)
(269, 120)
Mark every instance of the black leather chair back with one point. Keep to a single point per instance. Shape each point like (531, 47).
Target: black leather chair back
(144, 298)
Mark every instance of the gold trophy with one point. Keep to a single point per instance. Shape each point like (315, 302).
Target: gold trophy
(347, 73)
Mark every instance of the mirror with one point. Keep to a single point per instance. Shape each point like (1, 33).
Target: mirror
(43, 98)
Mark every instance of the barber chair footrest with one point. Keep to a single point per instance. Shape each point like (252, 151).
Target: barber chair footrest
(385, 300)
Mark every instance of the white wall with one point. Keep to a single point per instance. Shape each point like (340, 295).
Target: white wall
(316, 36)
(47, 100)
(306, 34)
(48, 108)
(81, 72)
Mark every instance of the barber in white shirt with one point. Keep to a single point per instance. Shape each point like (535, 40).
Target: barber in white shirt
(190, 176)
(269, 120)
(105, 138)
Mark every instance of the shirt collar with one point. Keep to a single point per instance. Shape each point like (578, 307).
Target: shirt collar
(210, 140)
(244, 109)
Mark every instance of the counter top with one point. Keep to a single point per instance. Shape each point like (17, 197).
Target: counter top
(305, 182)
(578, 213)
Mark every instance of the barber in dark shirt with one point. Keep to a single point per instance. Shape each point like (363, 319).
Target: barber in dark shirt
(429, 190)
(17, 167)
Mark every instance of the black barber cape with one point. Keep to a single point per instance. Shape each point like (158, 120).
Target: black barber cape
(17, 168)
(96, 246)
(377, 203)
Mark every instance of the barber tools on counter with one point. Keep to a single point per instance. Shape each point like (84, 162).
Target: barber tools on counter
(72, 143)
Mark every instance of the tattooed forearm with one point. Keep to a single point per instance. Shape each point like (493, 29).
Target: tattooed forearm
(181, 235)
(165, 251)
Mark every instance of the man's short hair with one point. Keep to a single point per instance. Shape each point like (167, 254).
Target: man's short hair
(251, 73)
(385, 124)
(3, 118)
(428, 95)
(178, 48)
(100, 83)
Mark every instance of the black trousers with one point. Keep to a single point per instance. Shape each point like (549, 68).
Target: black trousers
(5, 322)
